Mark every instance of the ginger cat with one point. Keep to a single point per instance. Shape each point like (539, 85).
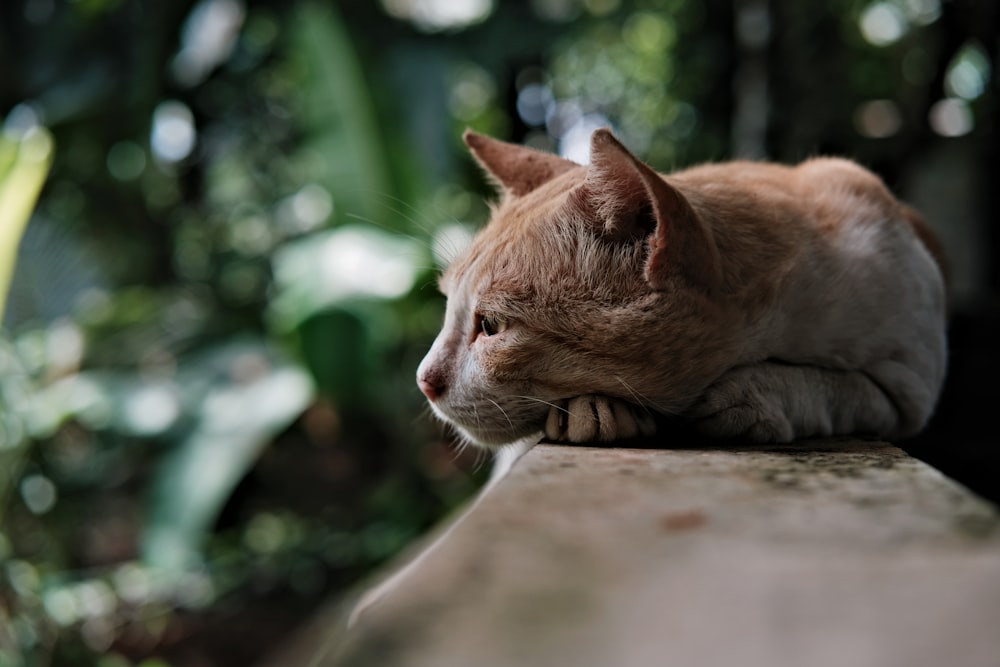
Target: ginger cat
(758, 301)
(755, 300)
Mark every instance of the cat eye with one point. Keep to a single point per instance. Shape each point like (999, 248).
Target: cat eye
(491, 325)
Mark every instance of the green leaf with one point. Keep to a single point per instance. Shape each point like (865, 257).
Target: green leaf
(336, 346)
(337, 113)
(330, 268)
(248, 395)
(21, 179)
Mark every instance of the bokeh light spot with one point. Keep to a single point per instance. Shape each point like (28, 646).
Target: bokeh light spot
(882, 23)
(173, 135)
(151, 409)
(312, 205)
(60, 604)
(877, 119)
(39, 493)
(437, 15)
(64, 346)
(951, 117)
(968, 73)
(208, 39)
(533, 103)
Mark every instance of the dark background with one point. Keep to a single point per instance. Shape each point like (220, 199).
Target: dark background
(208, 422)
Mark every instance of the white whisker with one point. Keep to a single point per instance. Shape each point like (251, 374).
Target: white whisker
(643, 401)
(503, 412)
(375, 223)
(542, 401)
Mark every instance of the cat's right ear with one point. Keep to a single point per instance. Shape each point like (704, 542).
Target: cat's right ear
(629, 199)
(517, 169)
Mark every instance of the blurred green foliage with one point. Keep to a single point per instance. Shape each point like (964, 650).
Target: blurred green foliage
(211, 273)
(24, 164)
(207, 413)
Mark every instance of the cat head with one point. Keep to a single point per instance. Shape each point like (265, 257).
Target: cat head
(586, 280)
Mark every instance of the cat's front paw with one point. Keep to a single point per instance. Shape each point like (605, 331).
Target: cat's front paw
(737, 406)
(593, 418)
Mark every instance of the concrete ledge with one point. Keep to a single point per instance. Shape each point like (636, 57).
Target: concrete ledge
(820, 553)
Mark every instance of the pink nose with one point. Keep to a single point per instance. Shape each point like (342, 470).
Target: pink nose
(432, 387)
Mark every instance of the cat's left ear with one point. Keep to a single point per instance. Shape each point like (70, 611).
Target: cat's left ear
(631, 200)
(517, 169)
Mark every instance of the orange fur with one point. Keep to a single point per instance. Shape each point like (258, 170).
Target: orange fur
(652, 290)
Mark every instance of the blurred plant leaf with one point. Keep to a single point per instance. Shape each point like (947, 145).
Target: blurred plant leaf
(245, 396)
(15, 395)
(117, 401)
(327, 269)
(56, 266)
(336, 345)
(24, 164)
(337, 114)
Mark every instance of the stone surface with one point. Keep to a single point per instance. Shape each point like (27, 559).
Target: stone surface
(821, 553)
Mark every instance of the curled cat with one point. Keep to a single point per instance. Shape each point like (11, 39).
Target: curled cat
(754, 300)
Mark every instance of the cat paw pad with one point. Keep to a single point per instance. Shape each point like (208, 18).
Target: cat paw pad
(592, 418)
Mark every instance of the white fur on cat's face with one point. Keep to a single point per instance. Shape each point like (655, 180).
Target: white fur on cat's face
(486, 409)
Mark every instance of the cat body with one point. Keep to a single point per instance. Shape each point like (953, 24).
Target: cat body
(756, 300)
